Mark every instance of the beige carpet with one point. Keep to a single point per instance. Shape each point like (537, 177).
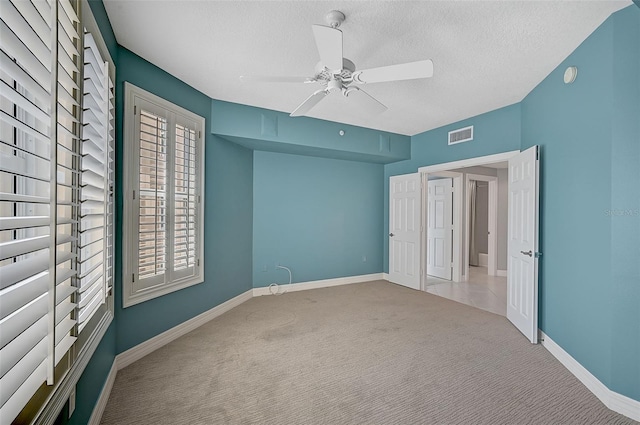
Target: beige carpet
(371, 353)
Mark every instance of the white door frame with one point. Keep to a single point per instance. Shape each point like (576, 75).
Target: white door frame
(442, 169)
(492, 227)
(456, 275)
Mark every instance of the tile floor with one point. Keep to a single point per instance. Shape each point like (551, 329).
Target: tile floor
(482, 291)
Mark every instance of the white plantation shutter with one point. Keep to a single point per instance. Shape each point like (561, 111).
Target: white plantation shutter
(43, 217)
(95, 193)
(185, 193)
(152, 199)
(163, 203)
(38, 196)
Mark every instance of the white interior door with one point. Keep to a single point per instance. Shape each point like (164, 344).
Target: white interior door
(522, 268)
(439, 227)
(404, 230)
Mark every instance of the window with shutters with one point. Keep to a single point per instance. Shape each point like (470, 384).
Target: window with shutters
(55, 284)
(163, 201)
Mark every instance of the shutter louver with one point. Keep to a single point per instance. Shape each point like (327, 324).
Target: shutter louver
(37, 196)
(184, 228)
(153, 197)
(94, 183)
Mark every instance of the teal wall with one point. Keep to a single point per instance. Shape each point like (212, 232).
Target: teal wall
(266, 130)
(590, 202)
(625, 204)
(573, 125)
(228, 214)
(319, 217)
(494, 132)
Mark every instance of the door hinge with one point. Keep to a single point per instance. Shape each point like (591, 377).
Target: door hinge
(199, 134)
(451, 265)
(537, 152)
(135, 110)
(133, 277)
(198, 262)
(134, 194)
(199, 198)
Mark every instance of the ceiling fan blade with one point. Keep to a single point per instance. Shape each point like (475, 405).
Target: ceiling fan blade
(364, 101)
(274, 79)
(309, 103)
(404, 71)
(329, 43)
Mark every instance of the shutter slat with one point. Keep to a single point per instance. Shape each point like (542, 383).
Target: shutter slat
(20, 101)
(17, 322)
(22, 344)
(14, 378)
(20, 270)
(37, 23)
(18, 399)
(8, 223)
(18, 295)
(13, 197)
(14, 48)
(24, 127)
(16, 23)
(91, 307)
(23, 246)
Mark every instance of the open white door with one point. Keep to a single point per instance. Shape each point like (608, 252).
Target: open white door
(522, 268)
(404, 230)
(439, 228)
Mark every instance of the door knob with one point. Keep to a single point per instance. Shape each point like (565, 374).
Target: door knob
(529, 253)
(391, 234)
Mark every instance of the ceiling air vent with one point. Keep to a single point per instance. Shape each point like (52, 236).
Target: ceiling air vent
(461, 135)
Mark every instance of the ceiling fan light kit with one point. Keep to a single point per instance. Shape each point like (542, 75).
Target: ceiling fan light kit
(338, 74)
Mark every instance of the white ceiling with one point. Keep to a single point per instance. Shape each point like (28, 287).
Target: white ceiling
(486, 54)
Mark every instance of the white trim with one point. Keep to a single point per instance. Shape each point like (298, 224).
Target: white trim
(385, 276)
(470, 162)
(613, 400)
(133, 354)
(501, 273)
(483, 259)
(101, 404)
(325, 283)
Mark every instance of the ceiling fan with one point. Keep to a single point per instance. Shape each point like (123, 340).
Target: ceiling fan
(338, 74)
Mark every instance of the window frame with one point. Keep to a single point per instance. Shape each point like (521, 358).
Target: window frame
(175, 115)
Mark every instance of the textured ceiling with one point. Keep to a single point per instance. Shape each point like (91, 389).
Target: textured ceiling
(486, 54)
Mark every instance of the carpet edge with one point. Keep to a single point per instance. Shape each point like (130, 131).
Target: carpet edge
(612, 400)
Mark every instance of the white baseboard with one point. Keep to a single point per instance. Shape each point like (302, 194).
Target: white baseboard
(125, 358)
(483, 260)
(613, 400)
(501, 273)
(385, 276)
(315, 284)
(101, 404)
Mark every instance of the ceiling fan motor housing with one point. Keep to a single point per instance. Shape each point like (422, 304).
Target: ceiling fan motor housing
(324, 75)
